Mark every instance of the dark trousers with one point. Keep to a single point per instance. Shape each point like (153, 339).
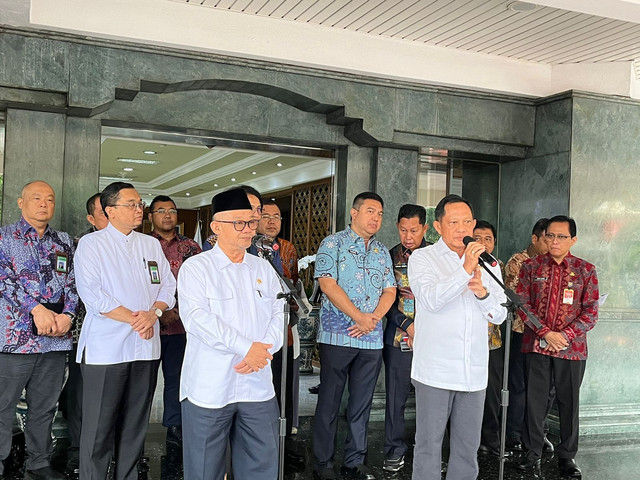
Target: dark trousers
(397, 381)
(276, 372)
(490, 435)
(172, 354)
(42, 374)
(517, 389)
(250, 427)
(362, 368)
(116, 402)
(72, 394)
(542, 370)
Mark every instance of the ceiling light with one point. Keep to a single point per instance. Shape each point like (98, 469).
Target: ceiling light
(149, 194)
(137, 160)
(254, 173)
(522, 7)
(128, 169)
(116, 179)
(278, 164)
(233, 179)
(187, 194)
(149, 152)
(215, 184)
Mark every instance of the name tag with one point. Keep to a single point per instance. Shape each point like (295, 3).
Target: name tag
(62, 262)
(154, 273)
(567, 296)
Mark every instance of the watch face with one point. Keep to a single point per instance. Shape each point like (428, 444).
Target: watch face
(158, 312)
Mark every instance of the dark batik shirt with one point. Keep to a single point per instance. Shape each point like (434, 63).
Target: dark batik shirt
(177, 250)
(28, 277)
(542, 286)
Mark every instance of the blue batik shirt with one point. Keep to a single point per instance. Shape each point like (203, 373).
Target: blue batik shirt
(362, 272)
(28, 277)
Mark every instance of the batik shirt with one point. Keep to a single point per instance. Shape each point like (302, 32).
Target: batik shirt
(511, 277)
(495, 335)
(177, 250)
(363, 273)
(564, 297)
(402, 312)
(28, 277)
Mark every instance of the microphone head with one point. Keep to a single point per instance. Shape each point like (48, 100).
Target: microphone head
(467, 240)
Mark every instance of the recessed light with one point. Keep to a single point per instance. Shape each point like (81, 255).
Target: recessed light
(137, 160)
(522, 7)
(254, 173)
(116, 179)
(233, 179)
(128, 169)
(278, 164)
(215, 184)
(149, 194)
(149, 152)
(187, 194)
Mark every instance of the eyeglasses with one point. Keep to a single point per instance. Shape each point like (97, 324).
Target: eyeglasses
(267, 217)
(240, 224)
(257, 210)
(163, 211)
(130, 206)
(552, 236)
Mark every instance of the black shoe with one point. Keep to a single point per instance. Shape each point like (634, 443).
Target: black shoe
(325, 473)
(529, 461)
(514, 445)
(314, 390)
(393, 464)
(359, 472)
(174, 435)
(548, 446)
(488, 450)
(294, 461)
(569, 467)
(44, 473)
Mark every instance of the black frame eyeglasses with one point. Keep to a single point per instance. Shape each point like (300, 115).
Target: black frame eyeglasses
(253, 224)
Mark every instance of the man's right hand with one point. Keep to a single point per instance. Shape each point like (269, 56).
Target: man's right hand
(45, 320)
(256, 359)
(169, 317)
(556, 341)
(365, 323)
(471, 255)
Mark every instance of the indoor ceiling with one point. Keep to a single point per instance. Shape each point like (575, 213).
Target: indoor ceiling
(517, 30)
(192, 174)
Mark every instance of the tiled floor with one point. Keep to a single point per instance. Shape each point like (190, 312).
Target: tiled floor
(599, 460)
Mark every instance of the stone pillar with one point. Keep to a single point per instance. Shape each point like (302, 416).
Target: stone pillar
(34, 150)
(354, 174)
(81, 171)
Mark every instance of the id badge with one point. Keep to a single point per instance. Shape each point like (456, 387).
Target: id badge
(154, 273)
(567, 296)
(62, 262)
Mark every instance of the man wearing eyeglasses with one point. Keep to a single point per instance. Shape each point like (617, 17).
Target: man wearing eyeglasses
(163, 215)
(126, 284)
(233, 320)
(562, 291)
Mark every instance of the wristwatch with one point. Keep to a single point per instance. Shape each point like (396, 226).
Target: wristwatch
(158, 312)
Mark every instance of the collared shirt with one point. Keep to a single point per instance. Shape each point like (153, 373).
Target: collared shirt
(289, 257)
(226, 307)
(564, 297)
(28, 277)
(495, 334)
(450, 348)
(401, 313)
(112, 270)
(363, 273)
(177, 250)
(511, 276)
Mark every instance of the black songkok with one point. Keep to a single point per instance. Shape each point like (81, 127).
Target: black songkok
(234, 199)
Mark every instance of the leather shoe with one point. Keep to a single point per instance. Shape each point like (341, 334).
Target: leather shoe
(569, 467)
(488, 450)
(325, 473)
(514, 445)
(359, 472)
(314, 390)
(44, 473)
(548, 446)
(529, 461)
(174, 435)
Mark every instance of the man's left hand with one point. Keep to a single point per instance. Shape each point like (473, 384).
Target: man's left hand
(63, 324)
(144, 320)
(475, 284)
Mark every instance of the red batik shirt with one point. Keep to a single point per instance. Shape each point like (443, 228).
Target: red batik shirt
(544, 287)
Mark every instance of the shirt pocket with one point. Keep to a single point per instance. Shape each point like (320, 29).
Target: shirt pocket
(221, 303)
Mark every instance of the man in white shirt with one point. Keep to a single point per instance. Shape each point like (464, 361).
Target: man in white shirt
(454, 303)
(234, 324)
(126, 283)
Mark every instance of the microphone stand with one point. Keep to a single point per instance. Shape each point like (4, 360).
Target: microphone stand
(513, 304)
(289, 293)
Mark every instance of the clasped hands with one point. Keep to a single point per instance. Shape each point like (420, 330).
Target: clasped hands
(142, 322)
(556, 342)
(50, 323)
(256, 358)
(364, 323)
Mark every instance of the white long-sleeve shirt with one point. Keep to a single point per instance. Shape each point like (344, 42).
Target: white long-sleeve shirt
(225, 307)
(451, 325)
(112, 270)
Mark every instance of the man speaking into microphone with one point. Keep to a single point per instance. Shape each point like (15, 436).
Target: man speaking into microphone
(454, 304)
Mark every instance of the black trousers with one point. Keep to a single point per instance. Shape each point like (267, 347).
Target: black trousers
(116, 402)
(172, 355)
(276, 372)
(72, 395)
(542, 371)
(361, 368)
(490, 435)
(517, 389)
(397, 381)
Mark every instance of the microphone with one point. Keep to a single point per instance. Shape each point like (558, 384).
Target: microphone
(484, 256)
(264, 243)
